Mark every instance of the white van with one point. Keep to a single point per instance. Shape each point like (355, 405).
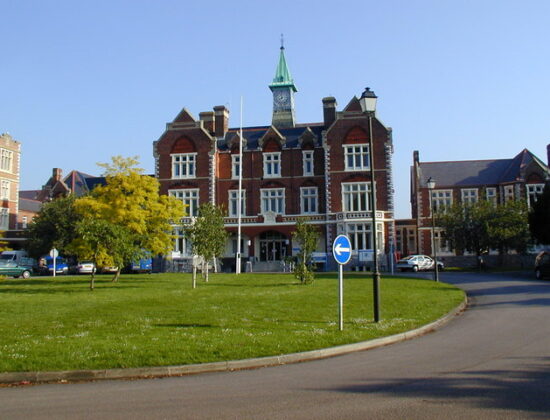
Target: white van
(15, 256)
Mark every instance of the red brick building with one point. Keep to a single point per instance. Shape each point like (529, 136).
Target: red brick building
(10, 155)
(498, 180)
(290, 170)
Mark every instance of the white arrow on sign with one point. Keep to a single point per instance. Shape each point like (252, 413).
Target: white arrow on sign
(339, 249)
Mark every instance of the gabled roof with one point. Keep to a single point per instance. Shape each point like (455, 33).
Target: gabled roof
(479, 172)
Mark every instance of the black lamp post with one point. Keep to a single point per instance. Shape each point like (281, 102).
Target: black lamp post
(368, 105)
(431, 185)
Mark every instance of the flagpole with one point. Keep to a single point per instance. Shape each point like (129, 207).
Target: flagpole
(239, 195)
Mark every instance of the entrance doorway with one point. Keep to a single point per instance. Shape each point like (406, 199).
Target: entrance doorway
(273, 246)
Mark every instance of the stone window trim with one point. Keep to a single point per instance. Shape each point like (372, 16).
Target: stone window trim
(232, 202)
(189, 197)
(184, 165)
(272, 200)
(356, 157)
(356, 196)
(272, 164)
(309, 200)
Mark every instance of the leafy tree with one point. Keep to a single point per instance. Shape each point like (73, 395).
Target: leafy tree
(509, 228)
(53, 227)
(478, 227)
(466, 226)
(131, 201)
(539, 218)
(208, 235)
(307, 235)
(105, 244)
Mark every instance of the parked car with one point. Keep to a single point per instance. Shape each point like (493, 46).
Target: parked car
(61, 266)
(85, 267)
(418, 263)
(109, 270)
(14, 269)
(145, 265)
(542, 265)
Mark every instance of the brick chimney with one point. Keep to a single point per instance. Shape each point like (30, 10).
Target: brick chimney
(221, 122)
(329, 110)
(208, 121)
(57, 174)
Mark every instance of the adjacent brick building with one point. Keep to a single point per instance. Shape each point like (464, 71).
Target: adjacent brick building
(498, 180)
(290, 170)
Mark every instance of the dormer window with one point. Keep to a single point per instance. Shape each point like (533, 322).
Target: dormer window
(272, 165)
(235, 166)
(308, 162)
(356, 157)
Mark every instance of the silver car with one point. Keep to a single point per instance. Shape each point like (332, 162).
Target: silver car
(418, 263)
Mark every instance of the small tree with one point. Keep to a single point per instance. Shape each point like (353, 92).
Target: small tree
(105, 243)
(307, 235)
(208, 235)
(539, 218)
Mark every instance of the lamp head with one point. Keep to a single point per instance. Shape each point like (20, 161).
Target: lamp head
(368, 101)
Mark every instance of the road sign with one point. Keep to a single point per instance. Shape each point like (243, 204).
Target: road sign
(54, 253)
(341, 249)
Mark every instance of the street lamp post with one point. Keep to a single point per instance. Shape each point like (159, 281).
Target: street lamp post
(368, 105)
(431, 185)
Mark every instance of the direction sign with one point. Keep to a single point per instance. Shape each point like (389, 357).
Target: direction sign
(341, 249)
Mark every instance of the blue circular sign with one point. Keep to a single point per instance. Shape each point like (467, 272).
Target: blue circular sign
(341, 249)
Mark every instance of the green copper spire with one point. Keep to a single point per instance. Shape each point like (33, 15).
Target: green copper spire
(282, 74)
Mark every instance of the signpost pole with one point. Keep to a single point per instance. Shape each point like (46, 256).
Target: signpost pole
(341, 296)
(341, 251)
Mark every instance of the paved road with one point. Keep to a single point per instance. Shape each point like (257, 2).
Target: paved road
(492, 362)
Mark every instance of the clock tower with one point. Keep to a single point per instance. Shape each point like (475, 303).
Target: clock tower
(283, 95)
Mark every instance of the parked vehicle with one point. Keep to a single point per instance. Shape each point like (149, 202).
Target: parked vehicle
(85, 267)
(542, 265)
(418, 263)
(13, 255)
(14, 269)
(61, 266)
(109, 270)
(145, 265)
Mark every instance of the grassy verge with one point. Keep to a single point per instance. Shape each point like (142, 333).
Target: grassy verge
(157, 320)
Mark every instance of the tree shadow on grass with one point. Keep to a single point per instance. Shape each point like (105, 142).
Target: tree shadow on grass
(187, 326)
(248, 285)
(527, 389)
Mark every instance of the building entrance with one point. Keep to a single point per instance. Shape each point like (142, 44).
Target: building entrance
(273, 246)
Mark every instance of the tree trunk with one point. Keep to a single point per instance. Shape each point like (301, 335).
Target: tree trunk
(194, 276)
(117, 275)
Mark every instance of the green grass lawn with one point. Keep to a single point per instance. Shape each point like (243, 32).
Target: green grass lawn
(157, 320)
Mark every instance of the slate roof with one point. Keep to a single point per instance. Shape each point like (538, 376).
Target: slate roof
(477, 172)
(253, 134)
(30, 205)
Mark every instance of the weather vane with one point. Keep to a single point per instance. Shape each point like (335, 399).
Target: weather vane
(282, 42)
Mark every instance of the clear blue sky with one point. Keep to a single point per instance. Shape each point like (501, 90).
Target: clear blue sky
(83, 81)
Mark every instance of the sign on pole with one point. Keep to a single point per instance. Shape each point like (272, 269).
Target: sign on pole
(54, 253)
(341, 251)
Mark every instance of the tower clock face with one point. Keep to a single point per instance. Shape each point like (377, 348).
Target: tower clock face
(282, 98)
